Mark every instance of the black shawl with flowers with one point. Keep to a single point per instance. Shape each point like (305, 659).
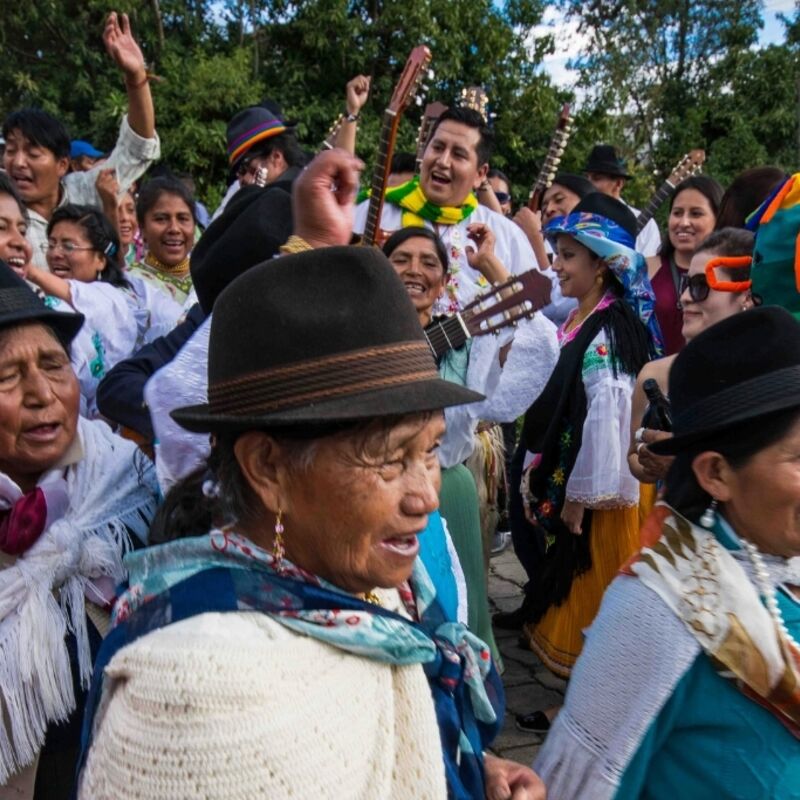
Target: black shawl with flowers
(554, 428)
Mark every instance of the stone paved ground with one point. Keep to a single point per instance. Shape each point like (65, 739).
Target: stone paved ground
(528, 684)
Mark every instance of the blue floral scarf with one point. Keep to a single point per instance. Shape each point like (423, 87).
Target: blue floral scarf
(225, 572)
(618, 249)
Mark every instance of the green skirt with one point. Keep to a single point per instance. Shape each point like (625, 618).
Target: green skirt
(458, 504)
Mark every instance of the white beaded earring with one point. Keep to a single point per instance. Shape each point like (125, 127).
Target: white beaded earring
(709, 516)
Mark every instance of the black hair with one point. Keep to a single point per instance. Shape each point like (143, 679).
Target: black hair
(472, 119)
(151, 193)
(728, 242)
(496, 173)
(101, 235)
(709, 188)
(39, 128)
(286, 142)
(7, 187)
(746, 193)
(404, 234)
(403, 162)
(737, 445)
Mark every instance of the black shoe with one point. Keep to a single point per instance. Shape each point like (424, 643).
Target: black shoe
(535, 722)
(509, 620)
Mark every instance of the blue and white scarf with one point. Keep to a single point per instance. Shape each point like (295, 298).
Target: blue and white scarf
(226, 572)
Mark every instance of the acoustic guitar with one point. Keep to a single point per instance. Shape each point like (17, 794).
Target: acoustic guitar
(407, 89)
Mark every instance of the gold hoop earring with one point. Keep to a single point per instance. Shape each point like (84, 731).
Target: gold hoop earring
(278, 550)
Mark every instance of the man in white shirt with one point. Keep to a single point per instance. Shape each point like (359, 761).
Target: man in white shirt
(454, 165)
(38, 146)
(608, 174)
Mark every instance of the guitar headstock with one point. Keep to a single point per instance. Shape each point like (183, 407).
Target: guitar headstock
(410, 80)
(519, 298)
(475, 97)
(552, 160)
(431, 113)
(330, 137)
(558, 145)
(689, 165)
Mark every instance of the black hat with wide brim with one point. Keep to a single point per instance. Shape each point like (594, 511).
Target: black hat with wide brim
(738, 371)
(19, 304)
(604, 160)
(318, 337)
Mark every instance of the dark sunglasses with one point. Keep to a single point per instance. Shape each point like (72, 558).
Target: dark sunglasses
(697, 285)
(502, 197)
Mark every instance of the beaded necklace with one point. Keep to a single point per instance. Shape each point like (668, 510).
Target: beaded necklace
(178, 270)
(768, 591)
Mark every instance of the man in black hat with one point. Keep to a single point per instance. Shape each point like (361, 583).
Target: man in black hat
(608, 173)
(263, 148)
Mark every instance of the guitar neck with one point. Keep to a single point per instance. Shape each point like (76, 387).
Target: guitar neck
(380, 176)
(448, 334)
(656, 201)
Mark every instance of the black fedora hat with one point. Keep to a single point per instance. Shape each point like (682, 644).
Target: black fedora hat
(255, 223)
(319, 336)
(604, 159)
(20, 304)
(741, 369)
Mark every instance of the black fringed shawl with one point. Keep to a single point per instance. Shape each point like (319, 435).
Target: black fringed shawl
(553, 427)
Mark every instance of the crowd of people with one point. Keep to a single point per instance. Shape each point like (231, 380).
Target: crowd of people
(252, 471)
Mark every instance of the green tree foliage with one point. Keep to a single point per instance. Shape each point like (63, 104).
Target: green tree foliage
(658, 77)
(680, 74)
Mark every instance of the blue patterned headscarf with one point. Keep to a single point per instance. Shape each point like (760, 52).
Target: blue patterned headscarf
(616, 247)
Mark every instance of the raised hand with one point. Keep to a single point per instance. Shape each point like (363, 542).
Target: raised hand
(107, 186)
(481, 255)
(357, 92)
(323, 198)
(123, 48)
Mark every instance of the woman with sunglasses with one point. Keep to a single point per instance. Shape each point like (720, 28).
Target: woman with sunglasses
(715, 287)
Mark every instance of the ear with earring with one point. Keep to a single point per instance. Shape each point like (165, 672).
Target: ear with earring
(709, 516)
(278, 550)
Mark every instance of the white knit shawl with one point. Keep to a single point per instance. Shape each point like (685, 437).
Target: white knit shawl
(42, 593)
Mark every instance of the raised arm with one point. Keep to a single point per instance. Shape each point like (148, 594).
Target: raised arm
(123, 48)
(357, 93)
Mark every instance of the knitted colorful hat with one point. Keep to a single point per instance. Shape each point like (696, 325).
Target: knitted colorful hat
(249, 127)
(776, 259)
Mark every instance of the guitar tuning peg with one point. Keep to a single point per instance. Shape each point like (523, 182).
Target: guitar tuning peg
(418, 101)
(430, 74)
(559, 152)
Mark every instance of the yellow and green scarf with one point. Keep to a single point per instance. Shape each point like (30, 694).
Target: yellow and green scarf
(417, 208)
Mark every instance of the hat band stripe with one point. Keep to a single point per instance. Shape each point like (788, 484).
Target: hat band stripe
(251, 137)
(742, 401)
(334, 376)
(262, 126)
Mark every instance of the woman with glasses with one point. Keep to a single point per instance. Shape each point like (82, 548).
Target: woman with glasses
(84, 273)
(715, 287)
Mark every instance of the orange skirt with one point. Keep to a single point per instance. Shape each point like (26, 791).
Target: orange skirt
(557, 638)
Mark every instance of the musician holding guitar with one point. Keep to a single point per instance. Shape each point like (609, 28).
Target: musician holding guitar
(442, 198)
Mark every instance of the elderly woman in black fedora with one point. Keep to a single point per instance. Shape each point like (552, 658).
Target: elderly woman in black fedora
(689, 682)
(71, 496)
(348, 681)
